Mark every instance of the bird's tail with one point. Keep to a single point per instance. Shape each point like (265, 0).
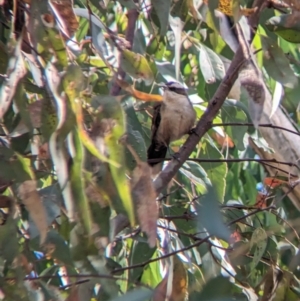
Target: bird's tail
(156, 151)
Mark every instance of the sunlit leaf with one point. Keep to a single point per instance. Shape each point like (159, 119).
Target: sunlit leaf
(77, 183)
(111, 111)
(211, 65)
(136, 66)
(15, 72)
(176, 25)
(97, 29)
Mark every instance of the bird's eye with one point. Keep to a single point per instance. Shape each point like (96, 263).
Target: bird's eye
(174, 89)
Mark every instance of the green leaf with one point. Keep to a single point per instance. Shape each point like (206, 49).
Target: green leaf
(136, 66)
(78, 185)
(15, 167)
(52, 201)
(8, 240)
(73, 83)
(195, 174)
(286, 26)
(140, 252)
(97, 28)
(277, 64)
(162, 9)
(209, 215)
(216, 171)
(142, 294)
(111, 110)
(231, 114)
(56, 141)
(61, 250)
(211, 65)
(58, 45)
(177, 26)
(226, 290)
(14, 73)
(151, 274)
(99, 263)
(136, 141)
(259, 240)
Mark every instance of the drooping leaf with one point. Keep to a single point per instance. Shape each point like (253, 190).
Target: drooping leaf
(176, 25)
(139, 252)
(151, 274)
(216, 171)
(162, 9)
(276, 63)
(73, 82)
(64, 13)
(225, 290)
(52, 201)
(77, 183)
(44, 37)
(211, 65)
(144, 197)
(111, 111)
(97, 29)
(196, 175)
(179, 284)
(232, 114)
(56, 141)
(57, 248)
(32, 201)
(136, 66)
(15, 72)
(286, 26)
(277, 95)
(209, 214)
(259, 240)
(136, 141)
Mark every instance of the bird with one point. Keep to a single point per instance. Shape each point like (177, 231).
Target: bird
(173, 118)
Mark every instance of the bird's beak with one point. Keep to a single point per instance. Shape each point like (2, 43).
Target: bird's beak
(162, 85)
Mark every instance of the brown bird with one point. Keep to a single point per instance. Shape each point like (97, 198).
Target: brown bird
(172, 119)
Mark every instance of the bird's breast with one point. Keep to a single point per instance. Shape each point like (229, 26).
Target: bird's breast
(177, 118)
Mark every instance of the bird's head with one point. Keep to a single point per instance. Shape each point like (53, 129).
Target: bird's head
(174, 87)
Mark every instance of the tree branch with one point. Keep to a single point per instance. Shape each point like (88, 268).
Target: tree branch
(204, 124)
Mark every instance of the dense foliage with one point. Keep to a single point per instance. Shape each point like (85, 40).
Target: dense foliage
(82, 217)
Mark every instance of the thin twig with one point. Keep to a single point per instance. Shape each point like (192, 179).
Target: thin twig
(196, 244)
(267, 125)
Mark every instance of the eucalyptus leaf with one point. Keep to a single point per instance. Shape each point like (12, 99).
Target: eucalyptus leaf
(209, 214)
(277, 64)
(162, 9)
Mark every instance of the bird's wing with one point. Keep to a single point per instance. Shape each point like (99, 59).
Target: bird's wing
(156, 150)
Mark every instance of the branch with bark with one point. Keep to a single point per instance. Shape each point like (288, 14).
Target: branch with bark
(204, 124)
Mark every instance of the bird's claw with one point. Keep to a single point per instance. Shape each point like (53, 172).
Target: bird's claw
(176, 156)
(193, 132)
